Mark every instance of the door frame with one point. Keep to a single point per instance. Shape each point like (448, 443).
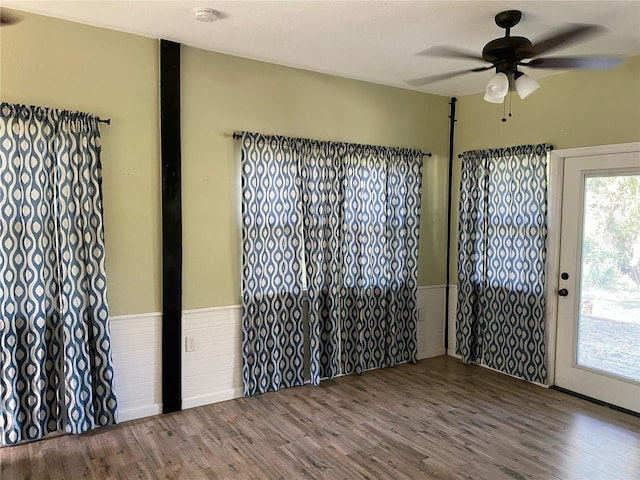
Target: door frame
(554, 219)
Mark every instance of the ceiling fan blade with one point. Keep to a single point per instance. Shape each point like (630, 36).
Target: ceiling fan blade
(589, 63)
(482, 69)
(418, 82)
(7, 19)
(450, 52)
(564, 37)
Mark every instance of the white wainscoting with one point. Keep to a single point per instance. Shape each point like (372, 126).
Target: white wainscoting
(453, 303)
(431, 321)
(136, 342)
(213, 372)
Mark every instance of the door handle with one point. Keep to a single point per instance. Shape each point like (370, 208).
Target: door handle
(563, 292)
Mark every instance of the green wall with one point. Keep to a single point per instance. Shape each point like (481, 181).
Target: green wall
(49, 62)
(223, 94)
(575, 109)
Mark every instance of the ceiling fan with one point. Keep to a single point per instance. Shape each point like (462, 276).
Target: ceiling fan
(508, 53)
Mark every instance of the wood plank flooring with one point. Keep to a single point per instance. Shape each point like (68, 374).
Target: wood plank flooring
(435, 419)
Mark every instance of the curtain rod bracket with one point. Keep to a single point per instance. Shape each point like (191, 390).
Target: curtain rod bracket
(107, 120)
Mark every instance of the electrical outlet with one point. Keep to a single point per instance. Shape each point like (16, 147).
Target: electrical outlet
(190, 344)
(421, 314)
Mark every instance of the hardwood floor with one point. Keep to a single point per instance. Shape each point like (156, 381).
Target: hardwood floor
(436, 419)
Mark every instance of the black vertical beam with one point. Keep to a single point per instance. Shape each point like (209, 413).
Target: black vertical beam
(452, 125)
(171, 226)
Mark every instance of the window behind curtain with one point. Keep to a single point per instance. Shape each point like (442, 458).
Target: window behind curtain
(360, 218)
(502, 256)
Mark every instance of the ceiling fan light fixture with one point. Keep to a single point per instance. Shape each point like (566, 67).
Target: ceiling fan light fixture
(525, 86)
(489, 98)
(497, 88)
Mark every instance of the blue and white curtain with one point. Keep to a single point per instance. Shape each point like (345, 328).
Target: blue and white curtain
(272, 330)
(360, 210)
(323, 173)
(56, 370)
(362, 215)
(501, 260)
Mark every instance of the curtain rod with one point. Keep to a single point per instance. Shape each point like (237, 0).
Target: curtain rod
(107, 120)
(238, 136)
(549, 148)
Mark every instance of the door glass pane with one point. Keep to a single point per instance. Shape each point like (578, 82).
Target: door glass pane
(609, 316)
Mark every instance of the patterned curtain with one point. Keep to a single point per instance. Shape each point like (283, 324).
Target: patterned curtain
(404, 193)
(357, 208)
(272, 330)
(56, 371)
(361, 221)
(379, 241)
(502, 255)
(323, 192)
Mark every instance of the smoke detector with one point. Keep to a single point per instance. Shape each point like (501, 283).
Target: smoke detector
(205, 14)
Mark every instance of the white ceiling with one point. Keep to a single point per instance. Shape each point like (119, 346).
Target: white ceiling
(374, 41)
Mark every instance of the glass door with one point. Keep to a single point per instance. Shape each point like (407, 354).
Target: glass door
(598, 330)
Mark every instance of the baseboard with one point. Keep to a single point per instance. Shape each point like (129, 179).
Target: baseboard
(432, 352)
(216, 397)
(141, 412)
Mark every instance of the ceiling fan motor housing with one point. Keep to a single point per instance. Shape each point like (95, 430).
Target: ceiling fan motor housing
(507, 49)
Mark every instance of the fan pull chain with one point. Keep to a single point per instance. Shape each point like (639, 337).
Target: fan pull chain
(510, 93)
(504, 109)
